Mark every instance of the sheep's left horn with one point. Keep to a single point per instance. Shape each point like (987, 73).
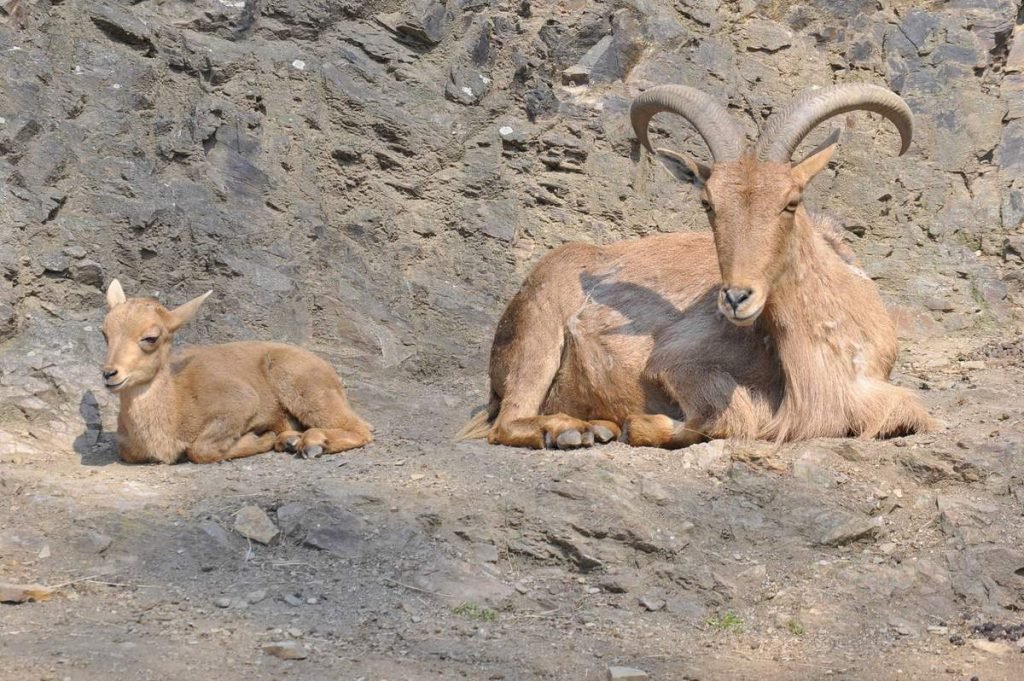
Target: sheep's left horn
(785, 130)
(710, 118)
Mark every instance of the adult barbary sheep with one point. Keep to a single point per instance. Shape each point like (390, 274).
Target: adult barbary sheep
(763, 328)
(217, 402)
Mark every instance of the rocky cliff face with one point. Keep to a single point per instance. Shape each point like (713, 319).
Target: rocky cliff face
(373, 179)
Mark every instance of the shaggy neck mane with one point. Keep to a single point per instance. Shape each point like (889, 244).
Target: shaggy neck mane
(820, 328)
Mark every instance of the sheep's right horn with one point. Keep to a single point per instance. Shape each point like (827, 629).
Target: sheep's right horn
(785, 130)
(712, 121)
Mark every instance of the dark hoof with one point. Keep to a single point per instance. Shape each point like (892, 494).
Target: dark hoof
(311, 452)
(602, 434)
(291, 445)
(569, 439)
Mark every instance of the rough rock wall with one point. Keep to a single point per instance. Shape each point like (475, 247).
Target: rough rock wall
(373, 179)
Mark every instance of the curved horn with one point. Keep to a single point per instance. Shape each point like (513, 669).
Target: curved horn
(785, 130)
(712, 121)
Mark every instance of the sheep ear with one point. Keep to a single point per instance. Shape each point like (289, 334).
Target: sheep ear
(115, 294)
(684, 168)
(806, 169)
(183, 314)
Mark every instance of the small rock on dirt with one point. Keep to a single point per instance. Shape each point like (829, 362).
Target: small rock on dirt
(289, 516)
(54, 263)
(467, 85)
(215, 532)
(341, 538)
(286, 650)
(620, 584)
(652, 603)
(222, 602)
(851, 531)
(88, 272)
(626, 674)
(514, 136)
(254, 597)
(812, 466)
(252, 522)
(925, 468)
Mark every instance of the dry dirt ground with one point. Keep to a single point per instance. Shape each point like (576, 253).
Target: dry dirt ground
(421, 558)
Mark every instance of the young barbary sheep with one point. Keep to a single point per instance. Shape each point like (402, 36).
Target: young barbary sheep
(217, 402)
(763, 328)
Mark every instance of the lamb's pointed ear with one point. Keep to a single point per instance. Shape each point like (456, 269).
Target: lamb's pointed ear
(183, 314)
(115, 294)
(684, 168)
(806, 169)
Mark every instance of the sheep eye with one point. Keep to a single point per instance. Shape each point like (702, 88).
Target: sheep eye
(791, 207)
(151, 340)
(706, 205)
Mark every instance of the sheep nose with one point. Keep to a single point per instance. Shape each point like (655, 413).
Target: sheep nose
(109, 374)
(736, 296)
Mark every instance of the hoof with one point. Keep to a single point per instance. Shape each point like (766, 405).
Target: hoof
(602, 434)
(291, 445)
(569, 439)
(311, 452)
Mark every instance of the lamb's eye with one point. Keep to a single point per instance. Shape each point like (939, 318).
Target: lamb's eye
(791, 207)
(150, 340)
(706, 205)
